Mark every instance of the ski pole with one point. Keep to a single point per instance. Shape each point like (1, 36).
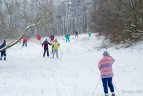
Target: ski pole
(116, 90)
(96, 87)
(41, 51)
(61, 53)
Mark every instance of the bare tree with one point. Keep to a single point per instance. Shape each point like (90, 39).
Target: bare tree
(119, 20)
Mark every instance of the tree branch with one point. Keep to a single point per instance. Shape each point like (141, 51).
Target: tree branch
(15, 42)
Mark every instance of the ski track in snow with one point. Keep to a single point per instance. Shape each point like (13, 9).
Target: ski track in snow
(27, 73)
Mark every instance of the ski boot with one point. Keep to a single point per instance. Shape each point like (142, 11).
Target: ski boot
(106, 95)
(0, 58)
(4, 58)
(113, 94)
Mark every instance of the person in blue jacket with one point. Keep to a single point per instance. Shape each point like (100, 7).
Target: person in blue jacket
(3, 53)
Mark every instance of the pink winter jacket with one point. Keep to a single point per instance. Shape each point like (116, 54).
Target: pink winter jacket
(105, 66)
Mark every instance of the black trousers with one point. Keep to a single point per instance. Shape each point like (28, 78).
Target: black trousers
(3, 54)
(25, 44)
(46, 51)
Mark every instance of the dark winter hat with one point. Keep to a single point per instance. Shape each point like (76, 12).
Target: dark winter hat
(46, 39)
(105, 53)
(4, 41)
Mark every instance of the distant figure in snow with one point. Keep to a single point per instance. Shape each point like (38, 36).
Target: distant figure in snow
(38, 37)
(25, 40)
(105, 67)
(3, 53)
(52, 41)
(67, 38)
(89, 34)
(46, 49)
(55, 48)
(52, 38)
(76, 34)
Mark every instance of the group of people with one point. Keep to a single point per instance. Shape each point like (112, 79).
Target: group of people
(3, 45)
(55, 47)
(104, 65)
(26, 38)
(67, 36)
(53, 42)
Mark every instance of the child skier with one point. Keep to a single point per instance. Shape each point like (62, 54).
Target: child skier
(55, 48)
(105, 67)
(3, 53)
(67, 38)
(46, 49)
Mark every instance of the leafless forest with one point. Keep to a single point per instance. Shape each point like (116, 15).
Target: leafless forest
(120, 21)
(55, 17)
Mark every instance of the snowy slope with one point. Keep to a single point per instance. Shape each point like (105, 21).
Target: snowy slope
(27, 73)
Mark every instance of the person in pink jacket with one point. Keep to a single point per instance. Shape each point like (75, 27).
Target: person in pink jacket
(105, 67)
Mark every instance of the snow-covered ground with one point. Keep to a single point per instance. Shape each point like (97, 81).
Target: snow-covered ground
(27, 73)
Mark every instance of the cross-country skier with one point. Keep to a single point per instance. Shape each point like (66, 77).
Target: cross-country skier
(67, 38)
(52, 38)
(55, 48)
(76, 34)
(46, 49)
(105, 67)
(25, 40)
(3, 53)
(38, 37)
(89, 34)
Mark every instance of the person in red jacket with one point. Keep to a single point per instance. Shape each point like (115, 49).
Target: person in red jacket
(38, 37)
(105, 67)
(52, 38)
(25, 40)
